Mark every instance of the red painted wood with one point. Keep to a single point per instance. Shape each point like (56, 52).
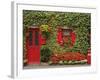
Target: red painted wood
(59, 36)
(73, 37)
(42, 40)
(33, 51)
(89, 56)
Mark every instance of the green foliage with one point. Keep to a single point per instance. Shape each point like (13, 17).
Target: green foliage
(53, 45)
(80, 22)
(45, 54)
(45, 29)
(46, 34)
(82, 39)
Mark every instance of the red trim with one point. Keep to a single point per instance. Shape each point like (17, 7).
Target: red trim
(59, 36)
(33, 51)
(73, 37)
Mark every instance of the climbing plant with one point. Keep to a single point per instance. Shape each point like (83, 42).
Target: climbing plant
(80, 22)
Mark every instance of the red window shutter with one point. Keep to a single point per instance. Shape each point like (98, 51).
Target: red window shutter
(59, 37)
(42, 40)
(73, 37)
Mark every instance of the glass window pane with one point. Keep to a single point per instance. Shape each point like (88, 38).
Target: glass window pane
(36, 38)
(30, 38)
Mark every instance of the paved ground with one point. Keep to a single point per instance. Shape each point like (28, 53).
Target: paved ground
(52, 66)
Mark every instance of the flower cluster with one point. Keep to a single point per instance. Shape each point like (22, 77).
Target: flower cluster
(68, 56)
(45, 28)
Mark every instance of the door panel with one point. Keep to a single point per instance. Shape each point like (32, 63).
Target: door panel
(30, 38)
(34, 47)
(36, 38)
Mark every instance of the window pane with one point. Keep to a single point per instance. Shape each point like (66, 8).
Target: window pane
(30, 38)
(36, 38)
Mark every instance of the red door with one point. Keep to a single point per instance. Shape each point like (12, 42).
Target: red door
(33, 46)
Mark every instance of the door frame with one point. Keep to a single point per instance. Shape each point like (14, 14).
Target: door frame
(33, 29)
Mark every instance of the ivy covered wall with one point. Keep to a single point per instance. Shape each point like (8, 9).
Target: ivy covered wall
(80, 22)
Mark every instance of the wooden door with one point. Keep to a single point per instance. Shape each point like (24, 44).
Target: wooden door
(33, 47)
